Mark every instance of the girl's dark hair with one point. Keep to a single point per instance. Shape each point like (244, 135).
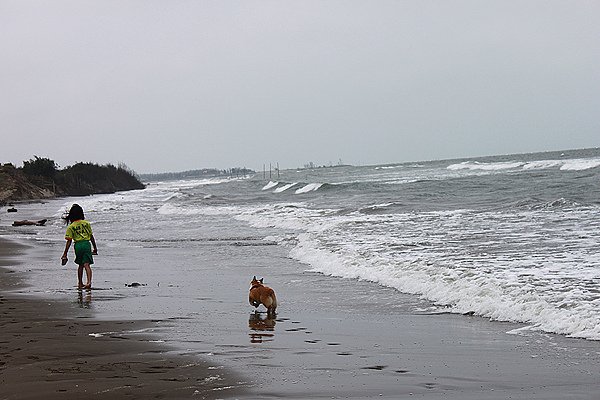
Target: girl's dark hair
(75, 213)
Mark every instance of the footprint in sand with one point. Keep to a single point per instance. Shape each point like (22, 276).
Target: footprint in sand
(376, 367)
(295, 329)
(428, 385)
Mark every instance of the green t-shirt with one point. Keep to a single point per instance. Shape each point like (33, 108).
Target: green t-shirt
(79, 230)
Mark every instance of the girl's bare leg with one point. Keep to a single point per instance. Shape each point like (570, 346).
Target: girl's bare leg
(80, 276)
(88, 274)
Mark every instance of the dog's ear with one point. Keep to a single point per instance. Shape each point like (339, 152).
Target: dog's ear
(261, 280)
(254, 278)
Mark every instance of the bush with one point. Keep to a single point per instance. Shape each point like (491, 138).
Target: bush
(88, 178)
(38, 166)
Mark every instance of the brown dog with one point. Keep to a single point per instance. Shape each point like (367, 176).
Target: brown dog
(261, 294)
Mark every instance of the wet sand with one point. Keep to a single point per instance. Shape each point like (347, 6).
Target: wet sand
(45, 353)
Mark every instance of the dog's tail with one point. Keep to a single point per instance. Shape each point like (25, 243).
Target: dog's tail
(274, 306)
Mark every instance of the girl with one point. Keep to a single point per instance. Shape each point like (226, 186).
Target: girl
(80, 231)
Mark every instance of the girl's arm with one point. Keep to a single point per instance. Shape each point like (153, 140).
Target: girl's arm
(67, 246)
(94, 249)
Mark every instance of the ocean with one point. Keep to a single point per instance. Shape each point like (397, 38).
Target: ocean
(510, 238)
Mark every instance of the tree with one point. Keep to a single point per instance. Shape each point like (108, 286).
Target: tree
(39, 166)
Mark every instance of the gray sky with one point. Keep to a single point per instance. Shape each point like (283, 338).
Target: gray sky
(174, 85)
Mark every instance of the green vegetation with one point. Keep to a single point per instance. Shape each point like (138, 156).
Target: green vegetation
(43, 167)
(41, 178)
(88, 178)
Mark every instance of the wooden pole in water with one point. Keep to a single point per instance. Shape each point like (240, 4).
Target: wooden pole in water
(277, 170)
(270, 167)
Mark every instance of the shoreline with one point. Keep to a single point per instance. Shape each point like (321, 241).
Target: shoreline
(47, 353)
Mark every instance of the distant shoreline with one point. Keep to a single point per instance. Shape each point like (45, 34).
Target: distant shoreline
(205, 173)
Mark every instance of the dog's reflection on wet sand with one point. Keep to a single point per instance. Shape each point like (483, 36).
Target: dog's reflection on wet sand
(262, 327)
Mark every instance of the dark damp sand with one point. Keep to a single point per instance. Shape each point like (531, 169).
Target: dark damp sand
(44, 354)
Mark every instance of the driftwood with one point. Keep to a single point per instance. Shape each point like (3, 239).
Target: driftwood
(41, 222)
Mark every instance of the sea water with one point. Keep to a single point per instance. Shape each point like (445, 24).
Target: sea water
(510, 238)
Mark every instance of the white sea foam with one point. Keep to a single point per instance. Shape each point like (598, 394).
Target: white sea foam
(401, 181)
(522, 331)
(194, 183)
(475, 165)
(379, 206)
(564, 165)
(284, 187)
(543, 164)
(311, 187)
(576, 164)
(580, 164)
(270, 185)
(172, 209)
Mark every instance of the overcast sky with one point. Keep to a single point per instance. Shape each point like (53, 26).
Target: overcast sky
(174, 85)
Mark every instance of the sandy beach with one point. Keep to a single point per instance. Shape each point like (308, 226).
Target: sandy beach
(332, 338)
(46, 353)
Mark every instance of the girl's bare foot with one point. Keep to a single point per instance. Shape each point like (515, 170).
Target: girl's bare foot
(80, 286)
(88, 286)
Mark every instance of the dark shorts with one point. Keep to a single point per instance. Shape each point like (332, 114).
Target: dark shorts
(83, 252)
